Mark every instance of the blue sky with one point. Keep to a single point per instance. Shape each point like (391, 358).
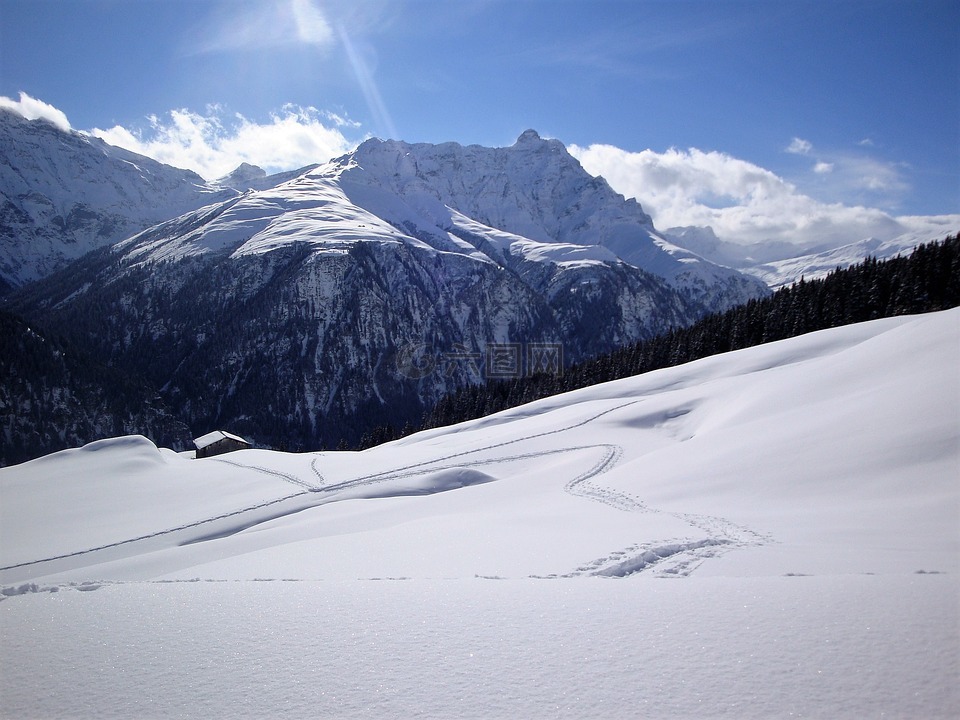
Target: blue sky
(839, 103)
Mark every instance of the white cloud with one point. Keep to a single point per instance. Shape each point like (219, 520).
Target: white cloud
(871, 174)
(340, 120)
(799, 146)
(33, 109)
(742, 202)
(858, 178)
(852, 177)
(215, 143)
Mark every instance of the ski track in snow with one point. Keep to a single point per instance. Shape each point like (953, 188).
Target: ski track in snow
(670, 558)
(292, 479)
(150, 536)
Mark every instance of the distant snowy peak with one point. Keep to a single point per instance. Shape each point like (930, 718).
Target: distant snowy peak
(244, 174)
(819, 264)
(782, 263)
(41, 147)
(64, 193)
(251, 177)
(533, 188)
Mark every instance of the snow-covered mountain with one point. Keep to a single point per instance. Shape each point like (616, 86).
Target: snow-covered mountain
(536, 191)
(779, 264)
(531, 203)
(63, 194)
(378, 281)
(251, 177)
(766, 533)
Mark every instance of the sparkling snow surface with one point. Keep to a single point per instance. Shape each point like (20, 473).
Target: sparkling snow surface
(768, 533)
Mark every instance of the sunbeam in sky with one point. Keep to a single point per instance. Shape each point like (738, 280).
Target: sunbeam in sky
(368, 85)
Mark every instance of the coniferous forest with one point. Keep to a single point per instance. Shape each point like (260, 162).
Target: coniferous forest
(55, 396)
(925, 281)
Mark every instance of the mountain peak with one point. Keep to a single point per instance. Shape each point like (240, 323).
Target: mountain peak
(528, 136)
(245, 171)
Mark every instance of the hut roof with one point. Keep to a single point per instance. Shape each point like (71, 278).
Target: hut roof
(215, 436)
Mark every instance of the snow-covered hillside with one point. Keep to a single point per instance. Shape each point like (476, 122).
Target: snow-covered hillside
(767, 533)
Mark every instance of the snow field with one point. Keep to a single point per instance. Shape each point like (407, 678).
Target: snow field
(838, 646)
(768, 533)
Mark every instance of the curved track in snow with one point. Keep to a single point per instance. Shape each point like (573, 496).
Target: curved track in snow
(677, 557)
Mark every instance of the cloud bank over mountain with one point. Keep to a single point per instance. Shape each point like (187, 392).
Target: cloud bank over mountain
(33, 109)
(741, 201)
(214, 142)
(745, 203)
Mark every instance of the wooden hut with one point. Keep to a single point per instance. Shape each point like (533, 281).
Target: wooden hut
(217, 443)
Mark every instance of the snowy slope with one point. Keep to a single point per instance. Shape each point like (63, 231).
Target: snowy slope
(780, 424)
(802, 495)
